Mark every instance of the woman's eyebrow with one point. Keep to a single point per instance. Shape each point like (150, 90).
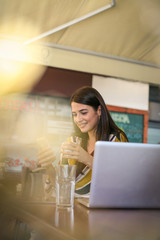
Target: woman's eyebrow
(81, 110)
(84, 109)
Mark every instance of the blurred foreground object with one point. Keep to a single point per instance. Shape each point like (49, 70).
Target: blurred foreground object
(18, 74)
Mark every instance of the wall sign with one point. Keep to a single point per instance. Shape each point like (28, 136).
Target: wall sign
(133, 122)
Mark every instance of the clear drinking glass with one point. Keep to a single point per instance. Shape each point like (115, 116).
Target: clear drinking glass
(65, 185)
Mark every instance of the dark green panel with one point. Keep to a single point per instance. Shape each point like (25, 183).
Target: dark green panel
(131, 124)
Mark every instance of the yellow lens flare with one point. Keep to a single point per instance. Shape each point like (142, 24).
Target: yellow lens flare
(17, 72)
(18, 68)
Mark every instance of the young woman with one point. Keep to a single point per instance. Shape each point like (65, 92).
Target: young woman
(92, 122)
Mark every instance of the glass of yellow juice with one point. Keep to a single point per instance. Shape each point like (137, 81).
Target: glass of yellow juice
(78, 141)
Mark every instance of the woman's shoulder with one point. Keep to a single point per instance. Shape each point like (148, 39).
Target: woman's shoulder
(117, 137)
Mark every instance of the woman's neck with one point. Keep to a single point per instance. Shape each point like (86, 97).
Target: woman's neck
(92, 134)
(91, 142)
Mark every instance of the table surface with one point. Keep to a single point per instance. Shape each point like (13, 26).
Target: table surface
(82, 223)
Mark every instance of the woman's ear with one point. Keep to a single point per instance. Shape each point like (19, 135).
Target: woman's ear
(99, 111)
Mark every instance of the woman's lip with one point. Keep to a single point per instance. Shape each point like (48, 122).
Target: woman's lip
(82, 125)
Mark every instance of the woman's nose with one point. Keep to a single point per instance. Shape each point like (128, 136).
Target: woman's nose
(79, 118)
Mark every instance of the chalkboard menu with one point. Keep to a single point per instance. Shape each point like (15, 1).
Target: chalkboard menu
(133, 122)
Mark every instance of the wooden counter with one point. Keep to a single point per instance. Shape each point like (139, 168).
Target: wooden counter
(45, 221)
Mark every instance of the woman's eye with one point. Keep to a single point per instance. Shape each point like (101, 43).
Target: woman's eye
(83, 113)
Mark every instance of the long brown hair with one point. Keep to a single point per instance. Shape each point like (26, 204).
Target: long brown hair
(90, 96)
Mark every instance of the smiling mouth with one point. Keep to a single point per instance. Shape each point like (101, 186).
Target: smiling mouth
(82, 125)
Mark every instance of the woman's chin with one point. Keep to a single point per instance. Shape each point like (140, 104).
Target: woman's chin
(83, 130)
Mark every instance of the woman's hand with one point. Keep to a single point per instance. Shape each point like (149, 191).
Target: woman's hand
(75, 151)
(46, 157)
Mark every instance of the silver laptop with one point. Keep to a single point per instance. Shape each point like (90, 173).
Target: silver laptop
(125, 175)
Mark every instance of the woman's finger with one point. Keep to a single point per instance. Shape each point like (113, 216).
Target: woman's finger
(70, 147)
(70, 154)
(66, 145)
(44, 155)
(48, 159)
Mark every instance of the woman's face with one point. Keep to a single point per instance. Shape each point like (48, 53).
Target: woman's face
(85, 116)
